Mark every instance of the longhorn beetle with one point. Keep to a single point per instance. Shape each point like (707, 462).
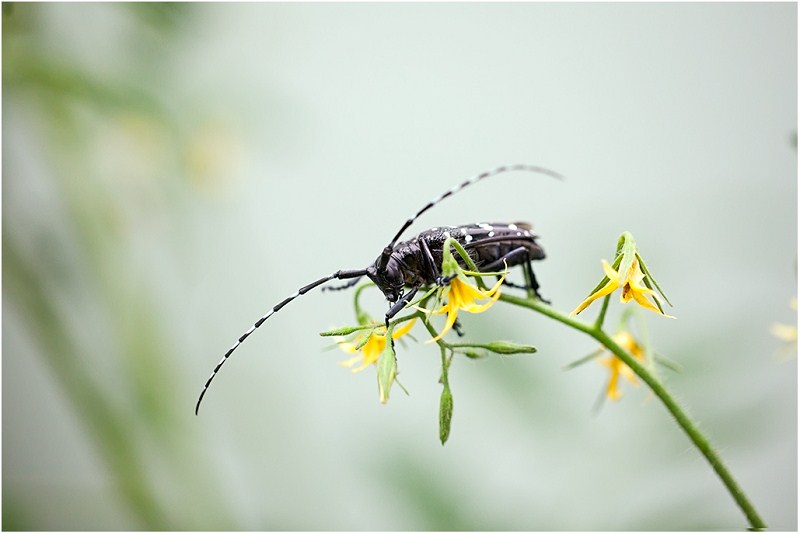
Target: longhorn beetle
(416, 263)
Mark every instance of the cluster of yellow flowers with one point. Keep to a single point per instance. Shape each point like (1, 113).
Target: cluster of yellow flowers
(459, 295)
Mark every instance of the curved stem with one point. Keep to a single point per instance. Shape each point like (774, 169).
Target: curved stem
(683, 420)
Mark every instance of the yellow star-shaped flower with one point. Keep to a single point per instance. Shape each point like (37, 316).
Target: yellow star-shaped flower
(461, 295)
(632, 288)
(367, 352)
(618, 368)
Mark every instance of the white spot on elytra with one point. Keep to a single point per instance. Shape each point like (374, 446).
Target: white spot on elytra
(468, 239)
(512, 227)
(491, 234)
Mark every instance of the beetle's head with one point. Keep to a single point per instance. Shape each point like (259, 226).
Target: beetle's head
(387, 274)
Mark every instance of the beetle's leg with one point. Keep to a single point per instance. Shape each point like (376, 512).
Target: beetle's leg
(516, 286)
(401, 303)
(513, 257)
(444, 280)
(349, 284)
(431, 270)
(457, 328)
(534, 285)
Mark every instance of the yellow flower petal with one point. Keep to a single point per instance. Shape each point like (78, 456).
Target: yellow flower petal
(464, 296)
(452, 315)
(618, 368)
(371, 350)
(405, 329)
(351, 362)
(611, 274)
(785, 332)
(632, 289)
(609, 287)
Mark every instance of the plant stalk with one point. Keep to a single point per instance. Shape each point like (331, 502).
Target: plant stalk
(683, 420)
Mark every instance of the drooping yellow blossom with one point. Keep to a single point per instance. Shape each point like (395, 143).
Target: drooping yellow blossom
(632, 288)
(461, 295)
(618, 368)
(370, 350)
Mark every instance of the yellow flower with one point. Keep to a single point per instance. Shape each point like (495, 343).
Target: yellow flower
(786, 332)
(618, 368)
(461, 295)
(632, 288)
(371, 349)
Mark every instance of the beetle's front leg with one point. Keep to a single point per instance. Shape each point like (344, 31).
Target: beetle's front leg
(402, 302)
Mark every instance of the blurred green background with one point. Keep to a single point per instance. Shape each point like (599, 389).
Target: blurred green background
(171, 171)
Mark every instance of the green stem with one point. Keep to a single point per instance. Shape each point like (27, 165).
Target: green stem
(683, 420)
(598, 324)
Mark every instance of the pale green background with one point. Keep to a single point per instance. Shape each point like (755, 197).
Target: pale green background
(170, 173)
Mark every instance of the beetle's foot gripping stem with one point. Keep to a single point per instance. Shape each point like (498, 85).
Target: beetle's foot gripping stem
(525, 287)
(402, 302)
(444, 280)
(458, 328)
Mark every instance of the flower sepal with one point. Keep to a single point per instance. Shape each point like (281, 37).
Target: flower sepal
(387, 368)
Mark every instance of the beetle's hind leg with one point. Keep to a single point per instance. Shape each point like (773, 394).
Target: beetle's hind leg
(519, 256)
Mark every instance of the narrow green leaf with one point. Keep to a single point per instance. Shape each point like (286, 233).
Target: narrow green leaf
(346, 330)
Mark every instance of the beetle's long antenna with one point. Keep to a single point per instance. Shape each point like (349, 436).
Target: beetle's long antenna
(338, 275)
(499, 170)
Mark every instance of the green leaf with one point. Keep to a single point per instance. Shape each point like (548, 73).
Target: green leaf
(346, 330)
